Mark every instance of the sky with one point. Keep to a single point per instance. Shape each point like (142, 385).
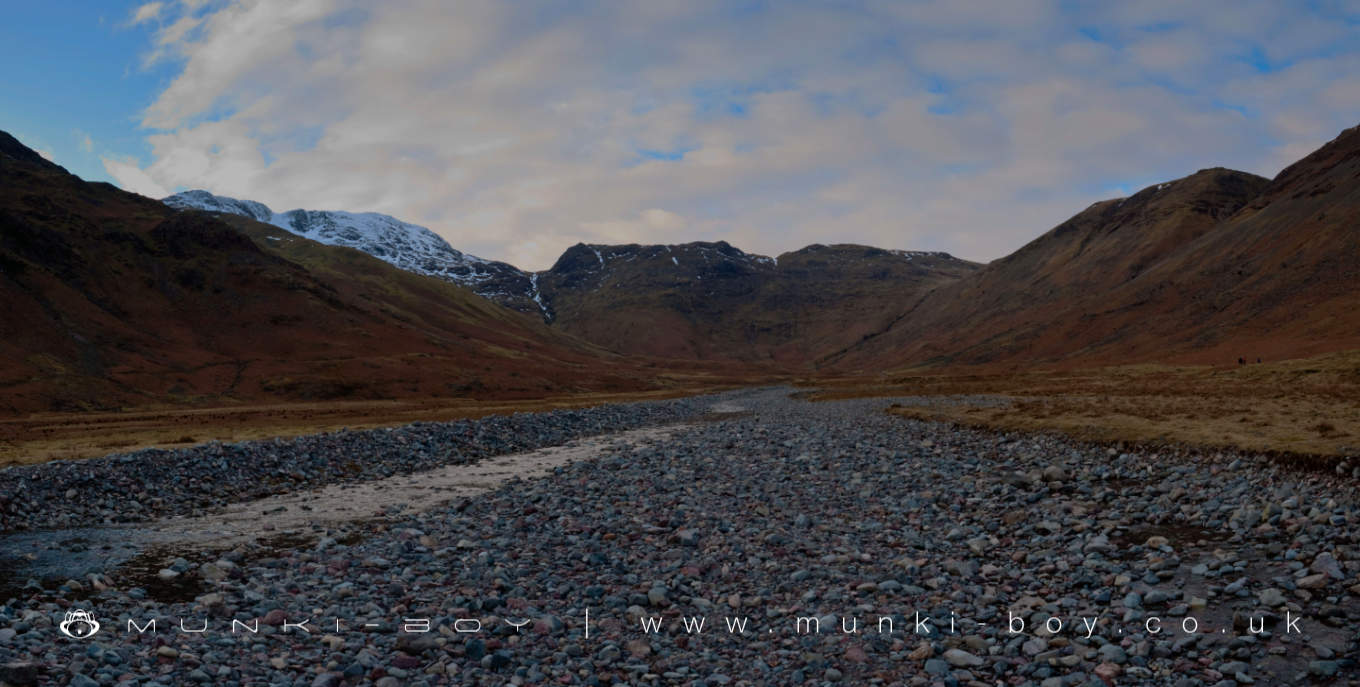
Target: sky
(516, 129)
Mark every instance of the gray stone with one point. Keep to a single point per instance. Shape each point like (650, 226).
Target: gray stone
(1327, 564)
(1271, 597)
(961, 659)
(20, 673)
(1323, 668)
(1113, 653)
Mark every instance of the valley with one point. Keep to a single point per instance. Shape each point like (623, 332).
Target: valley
(1205, 269)
(1123, 323)
(514, 344)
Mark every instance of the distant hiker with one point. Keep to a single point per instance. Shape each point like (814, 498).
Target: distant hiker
(1258, 361)
(1241, 361)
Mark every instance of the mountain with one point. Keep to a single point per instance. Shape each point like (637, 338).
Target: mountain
(408, 246)
(1213, 266)
(707, 301)
(712, 301)
(1204, 269)
(113, 300)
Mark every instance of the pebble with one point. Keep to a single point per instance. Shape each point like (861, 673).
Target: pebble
(962, 659)
(1113, 653)
(792, 508)
(134, 487)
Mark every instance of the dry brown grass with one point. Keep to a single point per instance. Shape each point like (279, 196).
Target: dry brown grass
(1304, 406)
(1307, 406)
(51, 436)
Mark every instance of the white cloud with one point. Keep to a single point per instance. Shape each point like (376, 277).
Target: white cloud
(132, 178)
(516, 129)
(146, 12)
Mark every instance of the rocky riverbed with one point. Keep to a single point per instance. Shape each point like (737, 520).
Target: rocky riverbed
(811, 539)
(135, 487)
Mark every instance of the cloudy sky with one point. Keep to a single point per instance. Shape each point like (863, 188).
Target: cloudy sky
(515, 129)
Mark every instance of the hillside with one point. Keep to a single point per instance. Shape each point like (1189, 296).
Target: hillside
(410, 247)
(117, 300)
(712, 301)
(1208, 268)
(113, 300)
(691, 301)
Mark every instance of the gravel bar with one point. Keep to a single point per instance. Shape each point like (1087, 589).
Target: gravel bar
(786, 513)
(151, 483)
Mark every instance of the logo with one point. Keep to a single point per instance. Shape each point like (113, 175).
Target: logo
(79, 624)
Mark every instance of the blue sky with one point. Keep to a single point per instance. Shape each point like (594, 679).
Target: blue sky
(72, 70)
(517, 129)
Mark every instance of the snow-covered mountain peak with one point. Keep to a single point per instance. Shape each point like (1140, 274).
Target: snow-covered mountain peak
(408, 246)
(203, 200)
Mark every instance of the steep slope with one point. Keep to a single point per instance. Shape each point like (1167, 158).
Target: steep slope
(666, 301)
(1209, 268)
(409, 246)
(114, 300)
(825, 297)
(711, 301)
(1281, 278)
(707, 301)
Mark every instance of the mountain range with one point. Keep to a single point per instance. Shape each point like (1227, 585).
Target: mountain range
(115, 300)
(1211, 268)
(112, 300)
(408, 246)
(699, 300)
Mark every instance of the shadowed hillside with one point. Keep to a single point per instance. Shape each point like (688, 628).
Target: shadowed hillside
(115, 300)
(712, 301)
(1208, 268)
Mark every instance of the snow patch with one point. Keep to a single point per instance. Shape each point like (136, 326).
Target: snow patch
(404, 245)
(911, 254)
(535, 294)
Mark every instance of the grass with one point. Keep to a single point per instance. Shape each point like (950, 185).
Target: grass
(52, 436)
(1308, 406)
(1305, 406)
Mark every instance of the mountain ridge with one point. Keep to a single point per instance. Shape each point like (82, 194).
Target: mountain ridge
(711, 300)
(1193, 270)
(116, 301)
(680, 299)
(1076, 292)
(1216, 265)
(498, 281)
(408, 246)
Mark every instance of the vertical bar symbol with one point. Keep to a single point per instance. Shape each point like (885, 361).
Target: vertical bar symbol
(587, 622)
